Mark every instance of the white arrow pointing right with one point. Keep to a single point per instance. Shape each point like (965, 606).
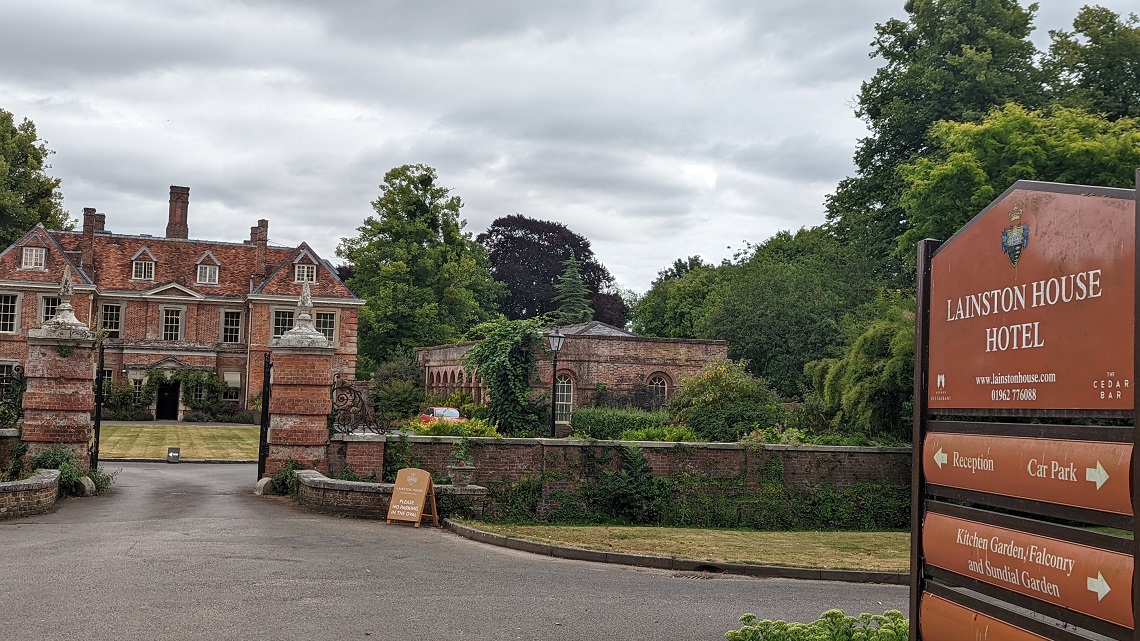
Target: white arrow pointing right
(940, 458)
(1098, 585)
(1096, 474)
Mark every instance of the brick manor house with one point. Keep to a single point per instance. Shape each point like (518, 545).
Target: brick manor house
(173, 302)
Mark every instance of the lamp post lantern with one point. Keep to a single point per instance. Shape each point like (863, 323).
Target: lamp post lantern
(556, 338)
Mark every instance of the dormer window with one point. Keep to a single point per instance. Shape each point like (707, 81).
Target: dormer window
(207, 274)
(143, 270)
(305, 274)
(33, 258)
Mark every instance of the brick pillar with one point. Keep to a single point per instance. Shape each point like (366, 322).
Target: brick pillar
(300, 398)
(60, 374)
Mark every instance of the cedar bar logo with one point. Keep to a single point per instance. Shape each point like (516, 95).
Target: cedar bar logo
(1015, 238)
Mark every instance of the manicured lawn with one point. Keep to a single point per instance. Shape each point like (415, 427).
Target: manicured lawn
(196, 442)
(886, 551)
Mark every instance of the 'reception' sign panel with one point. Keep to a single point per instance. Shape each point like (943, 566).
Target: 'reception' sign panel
(1083, 579)
(1031, 305)
(942, 620)
(1085, 474)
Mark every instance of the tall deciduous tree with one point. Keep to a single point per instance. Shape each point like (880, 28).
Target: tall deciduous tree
(425, 280)
(27, 194)
(783, 306)
(971, 164)
(950, 60)
(528, 255)
(1097, 65)
(573, 297)
(676, 304)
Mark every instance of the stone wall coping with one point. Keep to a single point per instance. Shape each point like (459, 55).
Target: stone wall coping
(42, 479)
(313, 478)
(9, 432)
(565, 442)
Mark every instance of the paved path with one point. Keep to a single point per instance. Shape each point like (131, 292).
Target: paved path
(188, 552)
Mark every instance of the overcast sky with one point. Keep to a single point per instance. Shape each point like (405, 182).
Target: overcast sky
(658, 129)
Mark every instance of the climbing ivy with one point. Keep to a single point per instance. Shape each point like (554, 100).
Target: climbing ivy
(504, 360)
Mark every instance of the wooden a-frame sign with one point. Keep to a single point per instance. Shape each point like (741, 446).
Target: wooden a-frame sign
(413, 492)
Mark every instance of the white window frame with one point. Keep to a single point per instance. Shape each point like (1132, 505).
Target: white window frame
(118, 329)
(33, 258)
(162, 316)
(15, 313)
(331, 335)
(304, 273)
(142, 270)
(208, 274)
(41, 307)
(291, 311)
(563, 398)
(239, 325)
(660, 392)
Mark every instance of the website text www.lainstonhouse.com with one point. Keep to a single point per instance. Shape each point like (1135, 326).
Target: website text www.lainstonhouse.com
(1018, 378)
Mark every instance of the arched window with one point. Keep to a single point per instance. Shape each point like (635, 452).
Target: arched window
(659, 388)
(563, 398)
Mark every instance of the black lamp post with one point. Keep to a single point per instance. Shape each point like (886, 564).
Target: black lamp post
(556, 339)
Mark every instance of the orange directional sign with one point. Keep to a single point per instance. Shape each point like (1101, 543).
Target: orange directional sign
(942, 620)
(1081, 578)
(1083, 474)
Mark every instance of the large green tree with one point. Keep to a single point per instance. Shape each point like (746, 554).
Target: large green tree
(425, 280)
(949, 60)
(27, 194)
(676, 304)
(1097, 65)
(971, 164)
(528, 256)
(784, 305)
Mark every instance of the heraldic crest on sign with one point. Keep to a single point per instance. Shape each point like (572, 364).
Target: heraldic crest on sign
(1015, 238)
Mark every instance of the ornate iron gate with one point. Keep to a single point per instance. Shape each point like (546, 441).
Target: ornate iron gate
(12, 388)
(351, 410)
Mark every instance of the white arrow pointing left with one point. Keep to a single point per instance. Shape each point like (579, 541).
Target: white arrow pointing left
(1099, 585)
(940, 458)
(1096, 474)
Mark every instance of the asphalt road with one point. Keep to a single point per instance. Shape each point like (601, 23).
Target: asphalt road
(188, 552)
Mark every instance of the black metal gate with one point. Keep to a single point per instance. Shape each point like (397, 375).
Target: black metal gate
(351, 410)
(93, 445)
(12, 386)
(266, 388)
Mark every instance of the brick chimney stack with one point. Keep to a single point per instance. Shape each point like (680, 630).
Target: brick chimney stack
(260, 236)
(89, 227)
(179, 204)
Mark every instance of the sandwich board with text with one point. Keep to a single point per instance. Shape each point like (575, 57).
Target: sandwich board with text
(413, 495)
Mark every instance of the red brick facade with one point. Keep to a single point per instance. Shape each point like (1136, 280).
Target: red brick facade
(172, 301)
(593, 354)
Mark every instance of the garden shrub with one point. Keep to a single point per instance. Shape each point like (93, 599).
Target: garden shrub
(285, 481)
(832, 625)
(195, 417)
(606, 423)
(470, 427)
(396, 400)
(724, 402)
(665, 434)
(70, 474)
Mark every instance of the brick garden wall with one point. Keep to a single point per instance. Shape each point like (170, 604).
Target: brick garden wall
(511, 459)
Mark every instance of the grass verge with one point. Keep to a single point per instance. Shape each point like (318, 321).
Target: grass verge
(882, 551)
(195, 442)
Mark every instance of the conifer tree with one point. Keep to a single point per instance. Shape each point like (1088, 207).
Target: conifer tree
(573, 298)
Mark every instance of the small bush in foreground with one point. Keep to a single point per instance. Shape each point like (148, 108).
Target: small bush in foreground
(832, 625)
(70, 474)
(285, 481)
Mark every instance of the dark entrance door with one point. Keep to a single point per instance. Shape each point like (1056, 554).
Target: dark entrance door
(166, 406)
